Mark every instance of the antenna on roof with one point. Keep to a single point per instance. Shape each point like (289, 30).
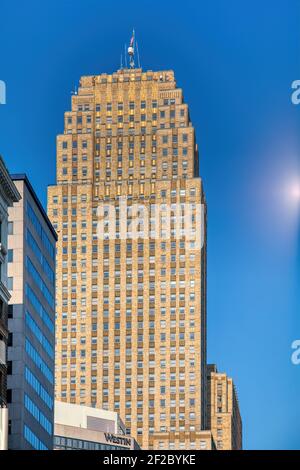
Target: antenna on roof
(121, 61)
(74, 92)
(131, 50)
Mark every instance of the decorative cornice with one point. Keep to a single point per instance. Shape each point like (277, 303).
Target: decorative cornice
(7, 187)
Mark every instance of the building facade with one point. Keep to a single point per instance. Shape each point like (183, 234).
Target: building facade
(224, 417)
(31, 322)
(79, 427)
(8, 195)
(201, 440)
(131, 310)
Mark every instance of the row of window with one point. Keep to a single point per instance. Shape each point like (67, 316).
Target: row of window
(131, 160)
(39, 308)
(33, 440)
(64, 443)
(119, 172)
(163, 378)
(140, 299)
(132, 130)
(182, 445)
(38, 387)
(130, 144)
(163, 259)
(116, 327)
(37, 414)
(40, 257)
(39, 362)
(183, 311)
(40, 231)
(105, 354)
(107, 169)
(120, 118)
(132, 104)
(83, 198)
(139, 324)
(173, 246)
(135, 128)
(32, 325)
(84, 143)
(128, 404)
(40, 283)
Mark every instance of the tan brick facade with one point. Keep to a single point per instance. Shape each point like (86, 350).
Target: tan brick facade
(224, 418)
(131, 314)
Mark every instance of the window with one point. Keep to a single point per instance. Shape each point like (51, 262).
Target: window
(10, 311)
(39, 308)
(10, 283)
(10, 256)
(42, 260)
(39, 389)
(39, 335)
(10, 228)
(40, 283)
(37, 414)
(32, 352)
(40, 231)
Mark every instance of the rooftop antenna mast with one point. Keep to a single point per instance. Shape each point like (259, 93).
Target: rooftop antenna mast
(131, 50)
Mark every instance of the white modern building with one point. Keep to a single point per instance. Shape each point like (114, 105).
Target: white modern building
(80, 427)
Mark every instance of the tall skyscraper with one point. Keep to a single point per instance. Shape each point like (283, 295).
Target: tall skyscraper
(131, 310)
(31, 322)
(224, 417)
(8, 195)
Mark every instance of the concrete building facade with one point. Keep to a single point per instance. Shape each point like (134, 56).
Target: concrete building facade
(31, 322)
(8, 195)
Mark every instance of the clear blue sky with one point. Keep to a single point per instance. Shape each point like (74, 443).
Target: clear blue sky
(235, 61)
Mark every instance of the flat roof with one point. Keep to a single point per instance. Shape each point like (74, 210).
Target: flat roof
(23, 177)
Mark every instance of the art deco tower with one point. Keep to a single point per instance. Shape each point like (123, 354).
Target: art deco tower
(131, 311)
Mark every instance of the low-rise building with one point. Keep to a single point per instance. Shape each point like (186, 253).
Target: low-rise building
(80, 427)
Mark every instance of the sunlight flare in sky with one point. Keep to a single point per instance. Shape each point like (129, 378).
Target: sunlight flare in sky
(293, 192)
